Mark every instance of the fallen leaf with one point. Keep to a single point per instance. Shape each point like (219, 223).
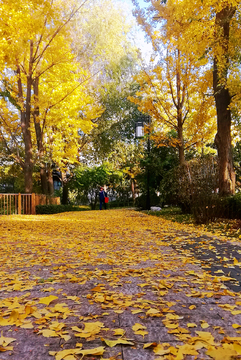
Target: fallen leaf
(112, 343)
(47, 300)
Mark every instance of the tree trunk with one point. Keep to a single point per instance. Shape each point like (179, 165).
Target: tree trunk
(50, 181)
(25, 125)
(43, 178)
(181, 144)
(179, 106)
(65, 195)
(223, 139)
(133, 190)
(39, 138)
(222, 100)
(25, 114)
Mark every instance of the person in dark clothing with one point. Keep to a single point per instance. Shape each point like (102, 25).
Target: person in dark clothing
(102, 198)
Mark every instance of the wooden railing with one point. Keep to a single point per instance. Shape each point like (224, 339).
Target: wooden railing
(24, 204)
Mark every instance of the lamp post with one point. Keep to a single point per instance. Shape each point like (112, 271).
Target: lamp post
(145, 119)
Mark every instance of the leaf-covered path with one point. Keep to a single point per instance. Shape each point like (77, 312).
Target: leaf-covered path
(115, 285)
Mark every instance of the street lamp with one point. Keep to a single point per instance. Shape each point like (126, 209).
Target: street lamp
(139, 126)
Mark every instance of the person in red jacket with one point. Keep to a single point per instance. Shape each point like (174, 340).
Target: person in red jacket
(102, 198)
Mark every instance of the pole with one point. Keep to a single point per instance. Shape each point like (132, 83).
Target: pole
(148, 200)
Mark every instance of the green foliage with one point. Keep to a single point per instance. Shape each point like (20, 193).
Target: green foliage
(55, 209)
(116, 126)
(87, 181)
(230, 207)
(174, 214)
(120, 203)
(159, 161)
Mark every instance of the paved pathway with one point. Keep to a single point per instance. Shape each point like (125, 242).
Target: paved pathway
(165, 289)
(216, 256)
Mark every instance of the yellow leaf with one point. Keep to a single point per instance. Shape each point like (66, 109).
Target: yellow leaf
(47, 300)
(62, 354)
(235, 261)
(147, 345)
(96, 351)
(27, 325)
(65, 337)
(4, 322)
(48, 333)
(119, 332)
(170, 325)
(143, 285)
(152, 312)
(49, 289)
(236, 326)
(237, 348)
(89, 330)
(222, 353)
(112, 343)
(160, 350)
(206, 336)
(7, 348)
(191, 325)
(187, 350)
(5, 341)
(141, 332)
(138, 327)
(136, 311)
(204, 325)
(74, 298)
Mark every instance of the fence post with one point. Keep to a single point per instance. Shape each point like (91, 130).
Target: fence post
(33, 210)
(19, 204)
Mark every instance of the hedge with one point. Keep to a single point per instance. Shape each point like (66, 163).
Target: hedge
(55, 209)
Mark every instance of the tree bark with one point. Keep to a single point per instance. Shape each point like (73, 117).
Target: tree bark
(25, 114)
(222, 99)
(179, 106)
(181, 143)
(50, 181)
(65, 194)
(39, 138)
(223, 139)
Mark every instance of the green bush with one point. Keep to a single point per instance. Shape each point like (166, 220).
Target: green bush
(55, 209)
(119, 203)
(231, 206)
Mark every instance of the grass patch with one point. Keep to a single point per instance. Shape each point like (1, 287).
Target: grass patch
(224, 227)
(172, 213)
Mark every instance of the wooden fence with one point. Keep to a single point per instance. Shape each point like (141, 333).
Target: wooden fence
(24, 204)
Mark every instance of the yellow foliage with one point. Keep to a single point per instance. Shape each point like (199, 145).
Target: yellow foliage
(40, 69)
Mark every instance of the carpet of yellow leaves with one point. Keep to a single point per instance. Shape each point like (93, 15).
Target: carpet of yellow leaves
(107, 283)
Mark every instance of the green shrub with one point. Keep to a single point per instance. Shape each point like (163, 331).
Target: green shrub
(119, 203)
(231, 206)
(55, 209)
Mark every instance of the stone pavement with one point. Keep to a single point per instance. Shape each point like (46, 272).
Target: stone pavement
(169, 291)
(216, 256)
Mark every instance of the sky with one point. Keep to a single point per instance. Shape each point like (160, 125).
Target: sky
(140, 40)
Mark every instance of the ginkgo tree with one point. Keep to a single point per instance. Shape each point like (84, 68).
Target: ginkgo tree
(46, 101)
(174, 94)
(209, 30)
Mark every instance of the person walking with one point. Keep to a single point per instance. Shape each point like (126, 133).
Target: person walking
(102, 198)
